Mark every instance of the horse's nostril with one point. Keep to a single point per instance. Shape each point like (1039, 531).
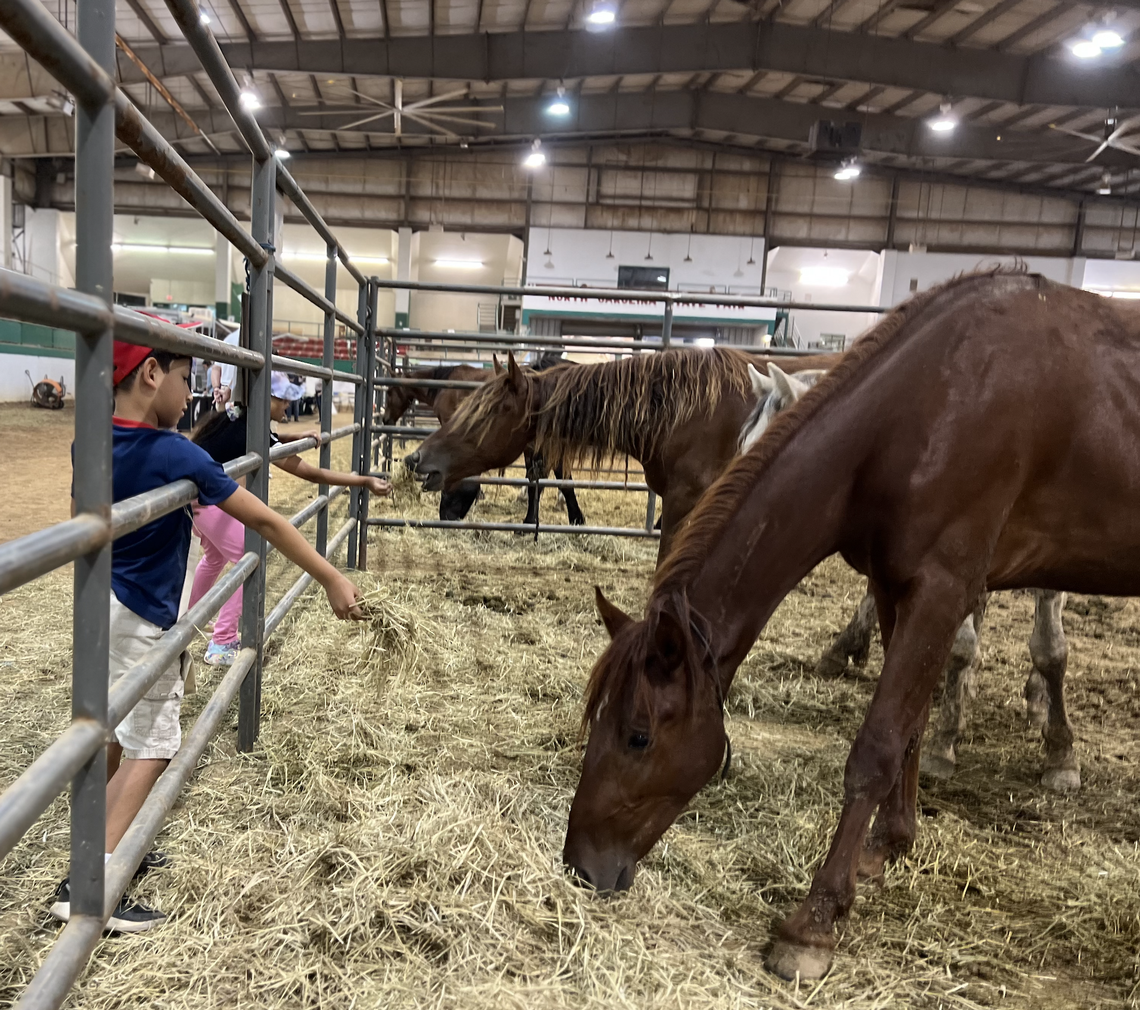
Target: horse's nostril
(412, 461)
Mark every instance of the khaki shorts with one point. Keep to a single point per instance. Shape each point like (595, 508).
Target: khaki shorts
(151, 729)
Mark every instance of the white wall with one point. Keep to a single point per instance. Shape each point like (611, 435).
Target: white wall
(785, 264)
(905, 273)
(47, 237)
(718, 263)
(498, 256)
(14, 385)
(1113, 275)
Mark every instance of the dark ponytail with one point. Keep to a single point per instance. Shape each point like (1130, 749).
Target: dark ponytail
(210, 425)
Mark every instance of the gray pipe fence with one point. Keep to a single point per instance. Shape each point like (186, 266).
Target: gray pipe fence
(84, 66)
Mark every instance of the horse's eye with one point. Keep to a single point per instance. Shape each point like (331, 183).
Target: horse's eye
(638, 741)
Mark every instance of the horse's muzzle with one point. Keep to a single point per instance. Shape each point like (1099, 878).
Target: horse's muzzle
(603, 875)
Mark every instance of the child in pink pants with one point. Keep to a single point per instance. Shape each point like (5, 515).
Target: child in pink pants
(223, 435)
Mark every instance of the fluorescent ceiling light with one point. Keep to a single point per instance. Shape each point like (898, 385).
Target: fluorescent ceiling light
(602, 16)
(192, 250)
(1085, 50)
(942, 124)
(558, 107)
(1107, 39)
(460, 264)
(536, 159)
(824, 277)
(249, 100)
(847, 172)
(317, 257)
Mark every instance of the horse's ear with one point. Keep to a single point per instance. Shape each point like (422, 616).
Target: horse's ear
(789, 387)
(669, 639)
(761, 384)
(613, 617)
(498, 367)
(514, 373)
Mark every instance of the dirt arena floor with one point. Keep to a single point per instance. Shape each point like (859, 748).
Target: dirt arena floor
(395, 838)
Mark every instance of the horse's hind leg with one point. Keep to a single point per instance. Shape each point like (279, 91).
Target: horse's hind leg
(535, 470)
(853, 642)
(1050, 654)
(940, 755)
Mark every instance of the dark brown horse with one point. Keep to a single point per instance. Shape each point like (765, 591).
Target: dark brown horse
(456, 502)
(982, 435)
(679, 413)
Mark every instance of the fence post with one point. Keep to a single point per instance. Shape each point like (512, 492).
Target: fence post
(366, 391)
(667, 326)
(257, 440)
(358, 417)
(327, 394)
(94, 223)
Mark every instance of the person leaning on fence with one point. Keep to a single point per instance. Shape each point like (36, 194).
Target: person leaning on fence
(148, 568)
(223, 436)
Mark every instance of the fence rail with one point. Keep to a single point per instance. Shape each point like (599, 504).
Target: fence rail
(84, 66)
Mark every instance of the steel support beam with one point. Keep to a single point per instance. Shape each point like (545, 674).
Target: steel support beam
(1041, 79)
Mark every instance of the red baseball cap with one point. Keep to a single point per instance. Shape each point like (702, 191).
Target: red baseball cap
(128, 357)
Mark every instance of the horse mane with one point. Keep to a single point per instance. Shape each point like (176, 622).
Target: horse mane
(622, 667)
(591, 413)
(724, 498)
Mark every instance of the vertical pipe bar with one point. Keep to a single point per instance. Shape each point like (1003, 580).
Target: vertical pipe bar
(358, 417)
(650, 512)
(667, 327)
(327, 393)
(94, 210)
(258, 389)
(366, 390)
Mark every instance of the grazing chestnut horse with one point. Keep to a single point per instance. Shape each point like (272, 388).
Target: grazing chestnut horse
(678, 413)
(455, 503)
(982, 435)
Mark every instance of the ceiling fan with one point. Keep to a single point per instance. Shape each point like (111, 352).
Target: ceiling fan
(440, 120)
(1113, 132)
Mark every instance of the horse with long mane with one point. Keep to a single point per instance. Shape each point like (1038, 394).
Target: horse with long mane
(678, 412)
(954, 449)
(455, 502)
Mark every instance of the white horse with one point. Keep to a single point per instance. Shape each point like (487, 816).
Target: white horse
(1044, 690)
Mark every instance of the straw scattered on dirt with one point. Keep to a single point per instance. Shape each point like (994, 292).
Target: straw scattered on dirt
(395, 839)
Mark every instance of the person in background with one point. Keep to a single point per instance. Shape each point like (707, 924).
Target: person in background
(148, 569)
(223, 436)
(223, 377)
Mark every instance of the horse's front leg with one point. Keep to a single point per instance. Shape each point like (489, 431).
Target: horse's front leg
(574, 515)
(927, 618)
(852, 643)
(535, 471)
(1050, 653)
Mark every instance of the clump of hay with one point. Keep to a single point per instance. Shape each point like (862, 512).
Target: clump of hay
(391, 626)
(406, 492)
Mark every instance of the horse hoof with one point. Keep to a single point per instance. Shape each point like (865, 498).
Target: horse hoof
(791, 959)
(937, 766)
(872, 867)
(1062, 780)
(831, 665)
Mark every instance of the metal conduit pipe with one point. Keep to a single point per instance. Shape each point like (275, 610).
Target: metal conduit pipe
(447, 524)
(283, 607)
(283, 364)
(205, 46)
(313, 295)
(288, 185)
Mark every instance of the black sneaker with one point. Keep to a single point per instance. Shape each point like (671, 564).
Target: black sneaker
(61, 908)
(153, 860)
(133, 917)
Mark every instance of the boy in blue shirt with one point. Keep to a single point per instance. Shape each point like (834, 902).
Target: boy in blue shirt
(148, 569)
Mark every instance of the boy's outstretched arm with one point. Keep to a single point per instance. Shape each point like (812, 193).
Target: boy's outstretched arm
(306, 471)
(254, 514)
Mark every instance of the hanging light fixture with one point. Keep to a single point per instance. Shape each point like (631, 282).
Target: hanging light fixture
(649, 254)
(944, 122)
(559, 106)
(689, 248)
(536, 158)
(610, 254)
(751, 249)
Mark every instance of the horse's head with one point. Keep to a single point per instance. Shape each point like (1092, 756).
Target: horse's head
(654, 715)
(489, 431)
(774, 392)
(398, 400)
